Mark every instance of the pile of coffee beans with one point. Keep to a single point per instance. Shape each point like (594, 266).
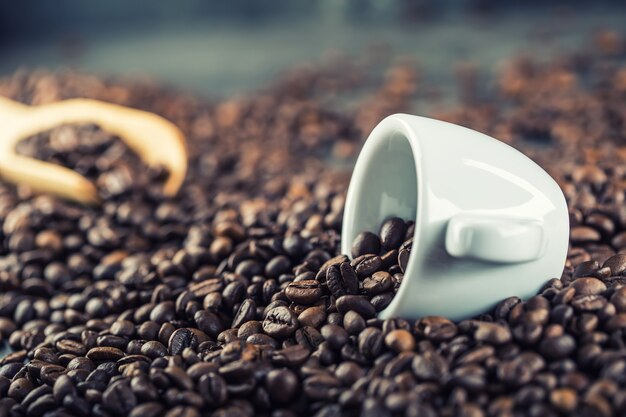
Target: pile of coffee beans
(233, 298)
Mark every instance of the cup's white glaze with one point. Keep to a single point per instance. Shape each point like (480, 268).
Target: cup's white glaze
(489, 222)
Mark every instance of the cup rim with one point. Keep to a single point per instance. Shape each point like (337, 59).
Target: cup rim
(396, 124)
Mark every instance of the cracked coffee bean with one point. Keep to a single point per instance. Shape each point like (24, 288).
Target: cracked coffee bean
(280, 322)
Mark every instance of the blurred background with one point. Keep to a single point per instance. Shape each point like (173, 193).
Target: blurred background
(224, 48)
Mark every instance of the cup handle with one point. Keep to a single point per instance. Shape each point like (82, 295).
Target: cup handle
(495, 239)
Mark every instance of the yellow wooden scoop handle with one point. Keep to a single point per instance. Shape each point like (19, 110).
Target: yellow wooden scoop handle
(156, 140)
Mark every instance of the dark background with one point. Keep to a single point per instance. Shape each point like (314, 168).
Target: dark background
(222, 48)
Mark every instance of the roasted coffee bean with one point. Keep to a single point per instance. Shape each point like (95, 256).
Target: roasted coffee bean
(245, 313)
(105, 354)
(404, 254)
(349, 279)
(557, 347)
(63, 387)
(179, 378)
(309, 337)
(19, 388)
(353, 322)
(304, 292)
(588, 286)
(492, 333)
(392, 233)
(312, 316)
(153, 349)
(357, 304)
(430, 366)
(149, 409)
(181, 339)
(400, 340)
(321, 386)
(282, 385)
(335, 335)
(616, 263)
(71, 346)
(378, 283)
(370, 342)
(41, 405)
(382, 301)
(368, 265)
(280, 322)
(436, 328)
(290, 356)
(365, 243)
(213, 389)
(50, 373)
(118, 398)
(334, 281)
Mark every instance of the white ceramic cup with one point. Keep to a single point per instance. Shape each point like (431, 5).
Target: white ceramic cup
(489, 222)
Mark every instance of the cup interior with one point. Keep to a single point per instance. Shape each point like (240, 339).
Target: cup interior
(386, 185)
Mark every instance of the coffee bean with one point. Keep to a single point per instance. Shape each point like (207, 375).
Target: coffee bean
(181, 339)
(290, 356)
(50, 373)
(118, 398)
(63, 387)
(179, 378)
(153, 349)
(370, 342)
(19, 388)
(557, 347)
(616, 263)
(321, 386)
(149, 409)
(309, 337)
(245, 313)
(304, 292)
(365, 243)
(282, 385)
(564, 400)
(335, 335)
(588, 302)
(280, 322)
(367, 265)
(357, 304)
(312, 316)
(430, 366)
(588, 286)
(492, 333)
(335, 282)
(349, 279)
(277, 266)
(213, 389)
(41, 405)
(392, 233)
(105, 354)
(403, 259)
(71, 346)
(353, 322)
(379, 282)
(400, 340)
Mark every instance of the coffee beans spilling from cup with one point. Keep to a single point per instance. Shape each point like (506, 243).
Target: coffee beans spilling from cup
(234, 300)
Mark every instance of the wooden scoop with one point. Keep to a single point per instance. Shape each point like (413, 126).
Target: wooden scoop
(157, 141)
